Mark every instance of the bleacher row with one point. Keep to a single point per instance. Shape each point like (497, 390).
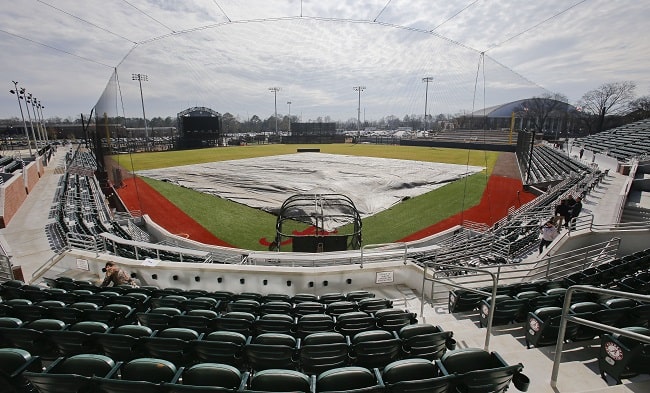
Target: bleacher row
(82, 214)
(549, 165)
(623, 143)
(538, 307)
(492, 137)
(10, 164)
(511, 236)
(111, 346)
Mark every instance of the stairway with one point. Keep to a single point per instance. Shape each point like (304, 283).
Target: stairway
(578, 369)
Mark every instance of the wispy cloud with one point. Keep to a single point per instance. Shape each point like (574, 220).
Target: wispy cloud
(224, 54)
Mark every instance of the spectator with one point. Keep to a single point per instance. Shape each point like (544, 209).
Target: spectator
(561, 213)
(549, 233)
(570, 202)
(116, 276)
(582, 152)
(576, 209)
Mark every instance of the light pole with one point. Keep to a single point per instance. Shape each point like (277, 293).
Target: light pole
(18, 96)
(275, 91)
(359, 89)
(33, 101)
(40, 109)
(140, 78)
(426, 79)
(27, 98)
(289, 103)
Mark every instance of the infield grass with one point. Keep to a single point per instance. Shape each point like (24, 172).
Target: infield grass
(243, 226)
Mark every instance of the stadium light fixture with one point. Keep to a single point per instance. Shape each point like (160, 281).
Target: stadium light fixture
(140, 78)
(289, 103)
(22, 115)
(40, 109)
(275, 91)
(27, 97)
(34, 101)
(426, 79)
(359, 89)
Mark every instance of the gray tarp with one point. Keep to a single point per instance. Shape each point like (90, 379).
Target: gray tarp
(373, 184)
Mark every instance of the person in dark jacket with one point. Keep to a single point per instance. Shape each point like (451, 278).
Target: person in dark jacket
(561, 214)
(576, 209)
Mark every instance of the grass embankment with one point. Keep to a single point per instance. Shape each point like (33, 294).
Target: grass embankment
(244, 226)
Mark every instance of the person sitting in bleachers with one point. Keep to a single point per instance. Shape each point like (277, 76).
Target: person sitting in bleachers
(117, 276)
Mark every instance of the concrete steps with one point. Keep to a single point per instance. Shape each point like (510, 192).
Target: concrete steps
(578, 370)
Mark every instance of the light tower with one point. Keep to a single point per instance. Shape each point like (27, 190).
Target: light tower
(426, 79)
(275, 91)
(18, 94)
(359, 89)
(289, 103)
(28, 98)
(140, 78)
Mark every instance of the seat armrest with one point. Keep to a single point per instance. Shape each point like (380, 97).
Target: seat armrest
(178, 375)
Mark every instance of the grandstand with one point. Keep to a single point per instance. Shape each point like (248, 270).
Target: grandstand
(240, 281)
(624, 143)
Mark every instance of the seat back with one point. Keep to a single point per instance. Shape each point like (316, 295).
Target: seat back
(149, 370)
(323, 351)
(416, 375)
(494, 380)
(271, 350)
(375, 348)
(14, 363)
(212, 374)
(351, 323)
(425, 341)
(279, 380)
(220, 347)
(393, 319)
(347, 379)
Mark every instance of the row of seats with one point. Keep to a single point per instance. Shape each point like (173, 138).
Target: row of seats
(542, 325)
(463, 300)
(468, 370)
(629, 273)
(627, 269)
(50, 338)
(70, 285)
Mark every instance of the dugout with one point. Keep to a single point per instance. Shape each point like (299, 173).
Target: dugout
(327, 214)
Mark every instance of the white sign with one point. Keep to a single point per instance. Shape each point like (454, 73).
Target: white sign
(82, 264)
(384, 277)
(150, 262)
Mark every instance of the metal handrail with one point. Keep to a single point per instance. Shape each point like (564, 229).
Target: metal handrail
(47, 265)
(569, 318)
(433, 280)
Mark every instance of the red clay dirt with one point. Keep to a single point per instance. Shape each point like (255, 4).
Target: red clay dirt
(500, 194)
(138, 195)
(504, 190)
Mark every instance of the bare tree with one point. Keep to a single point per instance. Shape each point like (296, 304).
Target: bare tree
(640, 108)
(538, 109)
(608, 99)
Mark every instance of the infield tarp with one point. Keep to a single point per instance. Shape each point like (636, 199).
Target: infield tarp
(373, 184)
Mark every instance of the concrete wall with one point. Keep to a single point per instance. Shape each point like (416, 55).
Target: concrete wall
(238, 278)
(12, 195)
(31, 176)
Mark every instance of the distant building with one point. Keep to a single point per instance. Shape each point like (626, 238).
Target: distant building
(198, 127)
(549, 115)
(314, 133)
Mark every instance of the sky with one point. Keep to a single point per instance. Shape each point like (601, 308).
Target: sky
(227, 54)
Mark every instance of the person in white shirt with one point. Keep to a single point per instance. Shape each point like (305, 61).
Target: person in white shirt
(549, 233)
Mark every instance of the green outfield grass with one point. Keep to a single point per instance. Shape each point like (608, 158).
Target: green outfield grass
(243, 226)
